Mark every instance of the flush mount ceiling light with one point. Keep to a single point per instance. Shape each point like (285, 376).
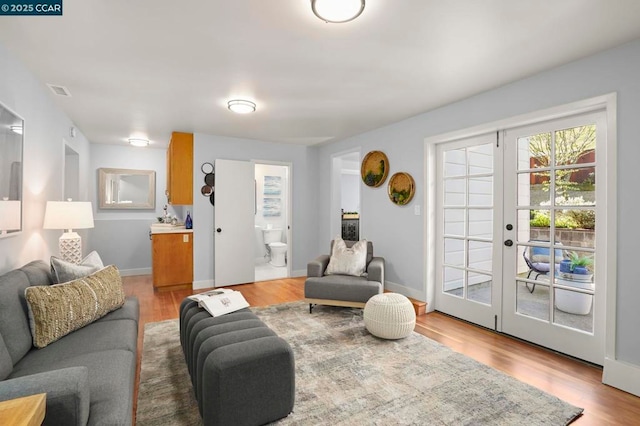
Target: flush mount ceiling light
(241, 106)
(139, 142)
(337, 11)
(16, 129)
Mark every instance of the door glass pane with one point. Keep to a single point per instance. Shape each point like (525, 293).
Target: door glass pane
(534, 151)
(479, 289)
(533, 189)
(573, 309)
(455, 163)
(480, 255)
(481, 159)
(481, 191)
(454, 252)
(576, 186)
(481, 223)
(532, 300)
(453, 281)
(575, 145)
(454, 222)
(455, 192)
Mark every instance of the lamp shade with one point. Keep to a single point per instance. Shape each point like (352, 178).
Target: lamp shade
(9, 215)
(68, 215)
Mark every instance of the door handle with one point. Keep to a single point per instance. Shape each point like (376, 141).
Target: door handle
(508, 243)
(219, 230)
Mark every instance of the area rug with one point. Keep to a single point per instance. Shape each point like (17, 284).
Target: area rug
(346, 376)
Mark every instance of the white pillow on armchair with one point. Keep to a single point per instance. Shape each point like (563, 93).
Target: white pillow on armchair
(347, 261)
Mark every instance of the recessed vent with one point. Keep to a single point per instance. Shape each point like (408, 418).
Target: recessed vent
(59, 90)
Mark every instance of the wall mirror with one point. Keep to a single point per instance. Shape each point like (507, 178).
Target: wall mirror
(127, 189)
(11, 147)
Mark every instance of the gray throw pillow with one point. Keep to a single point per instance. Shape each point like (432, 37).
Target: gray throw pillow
(63, 271)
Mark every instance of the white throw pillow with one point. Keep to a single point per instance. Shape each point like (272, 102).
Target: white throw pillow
(347, 261)
(63, 271)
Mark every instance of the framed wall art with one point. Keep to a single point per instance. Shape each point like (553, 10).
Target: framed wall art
(374, 168)
(401, 188)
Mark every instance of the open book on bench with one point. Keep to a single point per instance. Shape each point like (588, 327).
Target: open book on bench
(220, 301)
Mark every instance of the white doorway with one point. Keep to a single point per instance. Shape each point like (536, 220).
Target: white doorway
(514, 210)
(272, 220)
(345, 195)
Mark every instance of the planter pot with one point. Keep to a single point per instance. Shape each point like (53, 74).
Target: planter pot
(572, 302)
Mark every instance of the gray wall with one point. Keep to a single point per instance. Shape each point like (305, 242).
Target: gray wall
(398, 233)
(45, 129)
(208, 148)
(122, 236)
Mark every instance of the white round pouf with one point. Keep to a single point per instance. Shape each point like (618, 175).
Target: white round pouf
(389, 316)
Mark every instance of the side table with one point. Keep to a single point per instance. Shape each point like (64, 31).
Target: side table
(25, 411)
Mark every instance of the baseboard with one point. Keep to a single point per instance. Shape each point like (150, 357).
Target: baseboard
(137, 271)
(621, 375)
(199, 285)
(299, 273)
(409, 292)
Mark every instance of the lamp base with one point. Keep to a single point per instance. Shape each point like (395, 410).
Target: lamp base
(70, 245)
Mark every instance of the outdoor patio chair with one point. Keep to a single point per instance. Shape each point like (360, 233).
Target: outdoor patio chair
(538, 262)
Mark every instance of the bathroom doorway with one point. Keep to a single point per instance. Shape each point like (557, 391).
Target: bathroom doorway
(345, 195)
(272, 220)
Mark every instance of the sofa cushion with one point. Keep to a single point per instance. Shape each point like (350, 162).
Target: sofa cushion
(57, 310)
(111, 374)
(347, 260)
(14, 322)
(63, 271)
(6, 364)
(346, 288)
(95, 337)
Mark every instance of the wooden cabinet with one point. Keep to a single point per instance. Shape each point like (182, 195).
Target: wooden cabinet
(172, 260)
(180, 169)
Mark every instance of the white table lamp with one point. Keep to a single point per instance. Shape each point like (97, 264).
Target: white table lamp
(69, 215)
(9, 215)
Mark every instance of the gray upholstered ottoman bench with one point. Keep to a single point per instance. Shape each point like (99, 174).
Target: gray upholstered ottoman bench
(242, 373)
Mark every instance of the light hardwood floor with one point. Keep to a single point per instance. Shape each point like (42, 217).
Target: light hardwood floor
(573, 381)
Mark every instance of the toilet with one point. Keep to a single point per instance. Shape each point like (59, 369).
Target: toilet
(277, 249)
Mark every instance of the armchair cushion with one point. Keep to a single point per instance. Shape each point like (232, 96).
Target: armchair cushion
(347, 260)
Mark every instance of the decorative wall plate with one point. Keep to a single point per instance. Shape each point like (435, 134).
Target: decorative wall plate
(401, 188)
(206, 168)
(375, 168)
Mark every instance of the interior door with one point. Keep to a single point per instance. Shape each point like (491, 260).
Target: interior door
(234, 222)
(468, 270)
(550, 197)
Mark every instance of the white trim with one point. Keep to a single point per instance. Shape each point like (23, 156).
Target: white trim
(199, 285)
(407, 291)
(299, 273)
(135, 271)
(621, 375)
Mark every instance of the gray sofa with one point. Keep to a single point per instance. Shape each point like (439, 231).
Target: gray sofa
(88, 375)
(242, 373)
(343, 290)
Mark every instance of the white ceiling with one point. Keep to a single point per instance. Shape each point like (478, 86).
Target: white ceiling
(150, 67)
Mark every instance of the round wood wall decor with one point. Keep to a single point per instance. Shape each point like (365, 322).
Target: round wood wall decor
(401, 188)
(374, 168)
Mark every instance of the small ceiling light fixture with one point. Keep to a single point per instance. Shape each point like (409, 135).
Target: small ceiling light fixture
(16, 129)
(139, 142)
(337, 11)
(241, 106)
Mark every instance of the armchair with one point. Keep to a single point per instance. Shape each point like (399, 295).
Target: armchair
(343, 290)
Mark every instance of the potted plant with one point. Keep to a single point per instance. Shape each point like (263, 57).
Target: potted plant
(580, 276)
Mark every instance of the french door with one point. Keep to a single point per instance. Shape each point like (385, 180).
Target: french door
(554, 290)
(469, 179)
(517, 228)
